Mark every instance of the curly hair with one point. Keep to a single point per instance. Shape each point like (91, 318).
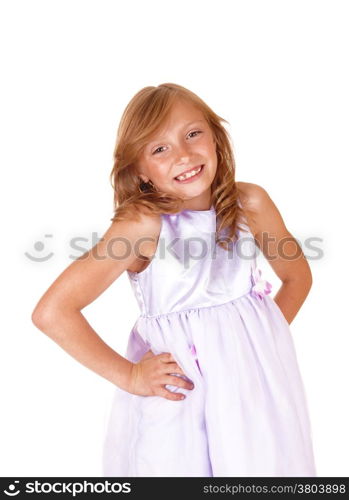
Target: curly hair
(142, 117)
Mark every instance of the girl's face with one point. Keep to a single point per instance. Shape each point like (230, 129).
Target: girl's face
(183, 145)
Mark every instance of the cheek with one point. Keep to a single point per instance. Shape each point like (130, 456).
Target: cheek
(160, 172)
(210, 149)
(212, 153)
(213, 163)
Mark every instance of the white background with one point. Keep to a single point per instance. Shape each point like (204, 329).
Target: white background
(278, 72)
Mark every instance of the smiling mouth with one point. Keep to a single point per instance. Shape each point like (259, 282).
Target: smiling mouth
(192, 174)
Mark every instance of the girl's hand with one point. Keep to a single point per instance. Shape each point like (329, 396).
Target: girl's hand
(150, 375)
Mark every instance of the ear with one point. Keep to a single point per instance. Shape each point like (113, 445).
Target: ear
(141, 176)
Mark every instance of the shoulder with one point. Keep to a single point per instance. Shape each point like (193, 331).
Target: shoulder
(149, 227)
(252, 196)
(256, 204)
(142, 229)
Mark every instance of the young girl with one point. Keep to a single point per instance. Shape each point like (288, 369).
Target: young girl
(210, 385)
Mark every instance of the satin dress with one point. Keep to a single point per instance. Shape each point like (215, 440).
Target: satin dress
(247, 414)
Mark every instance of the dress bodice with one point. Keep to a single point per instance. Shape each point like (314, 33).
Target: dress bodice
(189, 269)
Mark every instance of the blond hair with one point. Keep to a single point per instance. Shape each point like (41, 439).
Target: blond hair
(142, 117)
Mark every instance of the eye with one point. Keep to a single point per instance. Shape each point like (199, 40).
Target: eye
(154, 152)
(194, 132)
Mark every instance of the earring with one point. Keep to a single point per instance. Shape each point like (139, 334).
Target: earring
(146, 184)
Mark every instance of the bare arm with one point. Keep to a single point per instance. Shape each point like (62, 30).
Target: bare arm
(279, 247)
(58, 312)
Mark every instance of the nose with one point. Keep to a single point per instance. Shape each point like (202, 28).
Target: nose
(182, 153)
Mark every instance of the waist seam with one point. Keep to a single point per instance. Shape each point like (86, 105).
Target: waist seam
(152, 316)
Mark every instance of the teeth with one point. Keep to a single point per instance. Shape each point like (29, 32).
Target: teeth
(188, 174)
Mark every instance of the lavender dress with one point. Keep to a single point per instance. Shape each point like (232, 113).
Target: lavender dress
(247, 414)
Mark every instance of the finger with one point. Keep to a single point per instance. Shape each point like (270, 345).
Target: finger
(173, 368)
(148, 354)
(179, 382)
(166, 357)
(173, 396)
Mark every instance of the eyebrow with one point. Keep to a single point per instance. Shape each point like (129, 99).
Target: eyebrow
(196, 121)
(186, 125)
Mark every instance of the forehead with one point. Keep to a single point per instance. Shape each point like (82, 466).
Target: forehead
(185, 110)
(181, 116)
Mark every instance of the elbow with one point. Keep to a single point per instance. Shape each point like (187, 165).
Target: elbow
(51, 318)
(39, 317)
(44, 315)
(305, 279)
